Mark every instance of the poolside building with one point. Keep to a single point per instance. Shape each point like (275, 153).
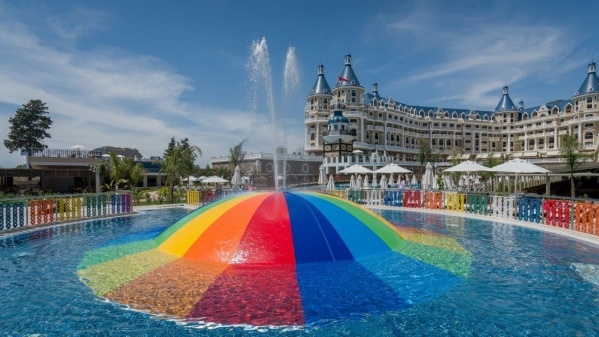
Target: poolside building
(347, 124)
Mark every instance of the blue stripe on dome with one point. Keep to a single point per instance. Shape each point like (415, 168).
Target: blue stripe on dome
(314, 238)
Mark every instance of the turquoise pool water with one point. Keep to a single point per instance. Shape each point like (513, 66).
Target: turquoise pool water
(522, 283)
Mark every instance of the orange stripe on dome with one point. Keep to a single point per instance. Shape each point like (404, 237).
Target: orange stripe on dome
(221, 240)
(187, 281)
(180, 241)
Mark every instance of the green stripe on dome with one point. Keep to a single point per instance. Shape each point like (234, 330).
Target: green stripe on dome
(456, 263)
(110, 253)
(105, 277)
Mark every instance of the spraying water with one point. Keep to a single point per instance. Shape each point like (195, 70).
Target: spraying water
(261, 79)
(291, 83)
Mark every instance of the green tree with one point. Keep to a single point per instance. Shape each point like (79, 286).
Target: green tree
(134, 172)
(237, 154)
(29, 127)
(571, 151)
(177, 165)
(170, 147)
(491, 161)
(425, 153)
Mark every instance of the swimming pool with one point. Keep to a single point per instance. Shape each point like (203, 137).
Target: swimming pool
(522, 282)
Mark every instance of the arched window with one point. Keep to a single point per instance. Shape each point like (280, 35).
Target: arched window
(589, 102)
(353, 93)
(312, 136)
(440, 142)
(531, 143)
(434, 142)
(588, 135)
(376, 136)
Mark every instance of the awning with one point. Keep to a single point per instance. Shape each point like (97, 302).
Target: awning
(482, 155)
(466, 156)
(530, 154)
(517, 154)
(553, 153)
(496, 155)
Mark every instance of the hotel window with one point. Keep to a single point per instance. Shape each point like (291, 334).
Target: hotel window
(589, 102)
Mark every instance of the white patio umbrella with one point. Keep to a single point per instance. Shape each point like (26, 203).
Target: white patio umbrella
(214, 180)
(414, 181)
(322, 177)
(352, 182)
(427, 178)
(434, 185)
(383, 181)
(355, 169)
(190, 178)
(359, 183)
(391, 182)
(467, 166)
(517, 166)
(77, 147)
(374, 182)
(392, 168)
(365, 184)
(331, 184)
(236, 179)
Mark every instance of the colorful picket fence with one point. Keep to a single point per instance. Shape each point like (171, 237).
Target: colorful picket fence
(582, 216)
(15, 213)
(205, 197)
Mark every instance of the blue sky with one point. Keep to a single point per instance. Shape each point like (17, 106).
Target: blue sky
(136, 73)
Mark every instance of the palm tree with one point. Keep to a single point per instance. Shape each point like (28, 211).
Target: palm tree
(133, 172)
(179, 163)
(237, 154)
(571, 151)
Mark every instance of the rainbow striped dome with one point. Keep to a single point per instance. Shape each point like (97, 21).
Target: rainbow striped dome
(277, 259)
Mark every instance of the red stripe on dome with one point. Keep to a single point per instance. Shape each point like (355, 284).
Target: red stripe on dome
(267, 238)
(249, 294)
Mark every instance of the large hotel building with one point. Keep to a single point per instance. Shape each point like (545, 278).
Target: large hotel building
(346, 120)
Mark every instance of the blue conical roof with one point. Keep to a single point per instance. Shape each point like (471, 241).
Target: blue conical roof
(348, 77)
(506, 103)
(321, 86)
(591, 83)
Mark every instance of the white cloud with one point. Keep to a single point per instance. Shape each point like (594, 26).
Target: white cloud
(477, 57)
(109, 96)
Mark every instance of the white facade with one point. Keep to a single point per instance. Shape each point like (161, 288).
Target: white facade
(383, 125)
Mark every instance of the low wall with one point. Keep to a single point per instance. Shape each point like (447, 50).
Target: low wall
(26, 212)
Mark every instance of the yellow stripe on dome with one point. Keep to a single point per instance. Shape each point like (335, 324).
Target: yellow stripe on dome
(105, 277)
(431, 239)
(181, 240)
